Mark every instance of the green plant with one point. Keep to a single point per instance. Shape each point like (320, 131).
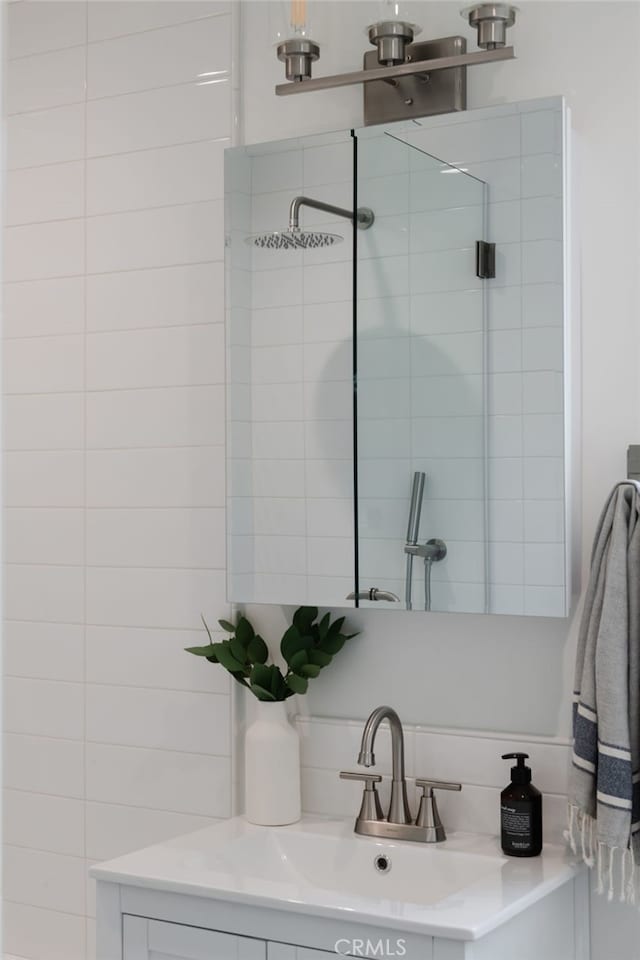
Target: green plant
(307, 647)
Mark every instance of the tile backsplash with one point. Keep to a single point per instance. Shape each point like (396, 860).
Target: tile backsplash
(471, 758)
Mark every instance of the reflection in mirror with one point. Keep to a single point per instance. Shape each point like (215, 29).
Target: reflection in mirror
(421, 428)
(420, 463)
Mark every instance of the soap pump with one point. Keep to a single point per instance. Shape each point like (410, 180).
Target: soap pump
(520, 811)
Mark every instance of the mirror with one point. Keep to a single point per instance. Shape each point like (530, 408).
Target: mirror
(396, 421)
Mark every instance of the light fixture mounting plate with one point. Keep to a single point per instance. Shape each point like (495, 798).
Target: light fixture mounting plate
(407, 98)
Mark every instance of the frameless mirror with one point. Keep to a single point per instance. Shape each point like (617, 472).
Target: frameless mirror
(396, 414)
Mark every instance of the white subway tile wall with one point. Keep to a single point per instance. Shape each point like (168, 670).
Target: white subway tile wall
(474, 759)
(114, 377)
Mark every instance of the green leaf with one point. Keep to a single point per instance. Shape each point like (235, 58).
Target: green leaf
(277, 682)
(335, 627)
(226, 658)
(323, 626)
(297, 684)
(304, 617)
(244, 631)
(291, 642)
(207, 651)
(320, 657)
(298, 660)
(309, 670)
(238, 649)
(229, 627)
(257, 650)
(333, 645)
(261, 676)
(261, 693)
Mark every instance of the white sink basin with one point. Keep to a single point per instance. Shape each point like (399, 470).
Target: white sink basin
(461, 889)
(349, 865)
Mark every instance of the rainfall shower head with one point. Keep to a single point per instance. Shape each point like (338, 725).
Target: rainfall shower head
(296, 239)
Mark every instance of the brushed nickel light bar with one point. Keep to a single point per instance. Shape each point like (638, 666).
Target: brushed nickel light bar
(389, 74)
(402, 79)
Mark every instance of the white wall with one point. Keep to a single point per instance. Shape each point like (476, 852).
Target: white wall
(114, 446)
(502, 673)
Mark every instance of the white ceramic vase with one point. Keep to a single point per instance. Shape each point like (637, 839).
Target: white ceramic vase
(272, 767)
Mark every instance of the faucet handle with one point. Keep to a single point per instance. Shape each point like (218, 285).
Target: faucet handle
(428, 786)
(370, 808)
(428, 815)
(367, 778)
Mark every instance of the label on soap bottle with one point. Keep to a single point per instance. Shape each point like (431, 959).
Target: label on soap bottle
(517, 826)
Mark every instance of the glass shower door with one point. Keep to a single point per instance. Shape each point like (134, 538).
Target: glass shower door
(420, 384)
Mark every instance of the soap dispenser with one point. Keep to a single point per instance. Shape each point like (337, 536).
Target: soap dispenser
(520, 812)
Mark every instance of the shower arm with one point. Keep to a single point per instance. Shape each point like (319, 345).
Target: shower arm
(364, 216)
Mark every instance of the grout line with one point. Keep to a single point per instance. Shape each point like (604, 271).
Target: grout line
(109, 566)
(445, 731)
(116, 153)
(127, 686)
(199, 203)
(386, 776)
(110, 273)
(38, 906)
(104, 390)
(117, 686)
(106, 803)
(114, 273)
(84, 460)
(118, 330)
(87, 42)
(126, 507)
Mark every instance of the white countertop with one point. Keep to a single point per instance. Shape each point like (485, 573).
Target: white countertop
(460, 889)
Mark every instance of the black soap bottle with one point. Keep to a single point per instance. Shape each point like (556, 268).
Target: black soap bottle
(520, 812)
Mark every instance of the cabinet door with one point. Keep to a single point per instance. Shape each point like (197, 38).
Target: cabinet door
(286, 951)
(156, 940)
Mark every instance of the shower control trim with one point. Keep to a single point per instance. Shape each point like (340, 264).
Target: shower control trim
(433, 550)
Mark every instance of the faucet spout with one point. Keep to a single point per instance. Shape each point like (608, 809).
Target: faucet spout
(399, 811)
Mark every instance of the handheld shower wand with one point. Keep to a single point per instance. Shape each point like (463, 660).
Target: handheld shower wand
(413, 531)
(417, 493)
(431, 552)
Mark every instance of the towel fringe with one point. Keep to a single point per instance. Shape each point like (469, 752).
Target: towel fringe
(582, 837)
(612, 856)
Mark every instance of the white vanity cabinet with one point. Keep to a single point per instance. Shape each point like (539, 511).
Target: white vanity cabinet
(239, 892)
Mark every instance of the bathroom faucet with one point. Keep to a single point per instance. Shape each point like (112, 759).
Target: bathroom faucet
(399, 811)
(398, 824)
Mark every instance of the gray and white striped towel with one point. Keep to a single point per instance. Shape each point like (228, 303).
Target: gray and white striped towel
(604, 800)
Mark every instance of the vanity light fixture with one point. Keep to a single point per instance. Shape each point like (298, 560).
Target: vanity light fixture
(295, 46)
(392, 33)
(402, 79)
(491, 20)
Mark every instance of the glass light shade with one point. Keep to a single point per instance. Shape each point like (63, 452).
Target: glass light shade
(294, 20)
(396, 11)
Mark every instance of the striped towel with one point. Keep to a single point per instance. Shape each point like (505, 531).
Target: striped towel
(604, 800)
